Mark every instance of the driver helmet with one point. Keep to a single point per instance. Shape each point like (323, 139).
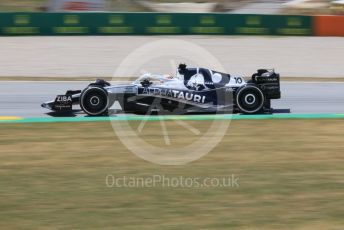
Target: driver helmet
(181, 71)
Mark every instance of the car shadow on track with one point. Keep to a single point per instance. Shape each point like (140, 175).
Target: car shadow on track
(116, 112)
(281, 111)
(59, 114)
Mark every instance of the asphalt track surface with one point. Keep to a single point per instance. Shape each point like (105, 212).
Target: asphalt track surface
(23, 99)
(94, 56)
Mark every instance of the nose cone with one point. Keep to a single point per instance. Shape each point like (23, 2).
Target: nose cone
(47, 105)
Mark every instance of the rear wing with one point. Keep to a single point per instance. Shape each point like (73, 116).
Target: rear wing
(269, 82)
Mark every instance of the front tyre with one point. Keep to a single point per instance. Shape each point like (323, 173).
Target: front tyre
(250, 99)
(94, 101)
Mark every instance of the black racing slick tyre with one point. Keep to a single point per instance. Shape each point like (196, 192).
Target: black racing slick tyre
(94, 101)
(250, 99)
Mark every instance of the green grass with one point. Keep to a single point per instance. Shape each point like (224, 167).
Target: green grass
(290, 175)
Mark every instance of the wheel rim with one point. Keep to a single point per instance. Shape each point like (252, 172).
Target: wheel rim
(94, 101)
(250, 99)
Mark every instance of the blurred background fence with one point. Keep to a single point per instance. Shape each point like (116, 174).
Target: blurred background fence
(13, 24)
(152, 23)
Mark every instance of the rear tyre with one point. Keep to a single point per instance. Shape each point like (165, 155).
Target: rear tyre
(250, 99)
(94, 101)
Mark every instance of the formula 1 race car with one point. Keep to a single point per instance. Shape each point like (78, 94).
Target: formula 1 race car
(191, 90)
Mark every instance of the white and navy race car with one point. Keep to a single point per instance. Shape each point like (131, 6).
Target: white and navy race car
(191, 90)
